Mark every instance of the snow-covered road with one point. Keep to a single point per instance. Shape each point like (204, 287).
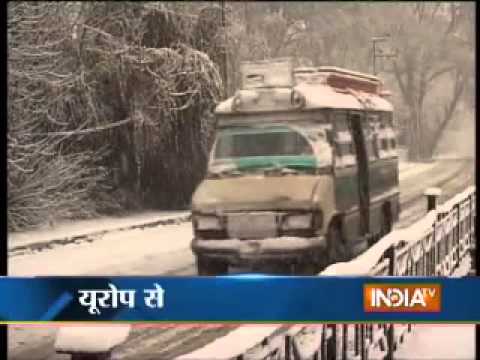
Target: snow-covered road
(165, 250)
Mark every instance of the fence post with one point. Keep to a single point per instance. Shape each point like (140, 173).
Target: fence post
(390, 342)
(356, 337)
(324, 346)
(363, 338)
(432, 195)
(334, 343)
(331, 353)
(288, 346)
(344, 341)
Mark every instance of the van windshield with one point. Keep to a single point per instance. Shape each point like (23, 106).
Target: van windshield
(269, 146)
(261, 142)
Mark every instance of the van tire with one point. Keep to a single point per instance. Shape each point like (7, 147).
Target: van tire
(336, 244)
(207, 266)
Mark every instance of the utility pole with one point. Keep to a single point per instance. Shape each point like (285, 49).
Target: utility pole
(376, 54)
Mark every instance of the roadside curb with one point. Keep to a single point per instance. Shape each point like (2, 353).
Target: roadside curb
(90, 236)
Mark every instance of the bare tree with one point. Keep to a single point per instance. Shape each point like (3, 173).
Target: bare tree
(106, 103)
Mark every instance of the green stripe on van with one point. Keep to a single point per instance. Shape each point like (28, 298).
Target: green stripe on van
(300, 161)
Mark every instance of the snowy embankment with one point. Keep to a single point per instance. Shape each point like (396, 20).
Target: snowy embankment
(71, 231)
(150, 251)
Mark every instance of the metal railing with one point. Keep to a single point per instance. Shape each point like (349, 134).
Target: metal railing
(435, 245)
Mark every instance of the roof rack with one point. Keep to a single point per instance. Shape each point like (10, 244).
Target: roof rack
(338, 70)
(346, 79)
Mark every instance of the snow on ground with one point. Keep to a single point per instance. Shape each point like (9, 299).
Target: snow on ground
(21, 335)
(112, 254)
(229, 345)
(90, 338)
(451, 156)
(411, 169)
(73, 228)
(440, 341)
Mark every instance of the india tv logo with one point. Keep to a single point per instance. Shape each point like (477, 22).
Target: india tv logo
(402, 297)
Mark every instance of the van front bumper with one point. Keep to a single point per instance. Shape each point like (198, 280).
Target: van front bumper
(248, 252)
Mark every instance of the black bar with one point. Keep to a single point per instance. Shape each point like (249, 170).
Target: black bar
(477, 338)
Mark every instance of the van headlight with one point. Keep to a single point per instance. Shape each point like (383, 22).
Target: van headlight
(208, 223)
(301, 221)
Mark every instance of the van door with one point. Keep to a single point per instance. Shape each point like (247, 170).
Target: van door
(359, 127)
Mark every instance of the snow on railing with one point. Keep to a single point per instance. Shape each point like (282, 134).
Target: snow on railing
(435, 245)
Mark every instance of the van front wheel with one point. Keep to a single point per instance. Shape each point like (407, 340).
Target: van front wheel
(207, 266)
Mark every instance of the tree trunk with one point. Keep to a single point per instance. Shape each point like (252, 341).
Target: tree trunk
(460, 81)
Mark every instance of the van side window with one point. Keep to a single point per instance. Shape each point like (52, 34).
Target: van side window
(344, 148)
(387, 136)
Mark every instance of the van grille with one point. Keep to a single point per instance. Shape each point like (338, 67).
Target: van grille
(252, 225)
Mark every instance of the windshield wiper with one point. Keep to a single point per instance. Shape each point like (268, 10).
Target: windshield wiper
(280, 169)
(288, 170)
(225, 172)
